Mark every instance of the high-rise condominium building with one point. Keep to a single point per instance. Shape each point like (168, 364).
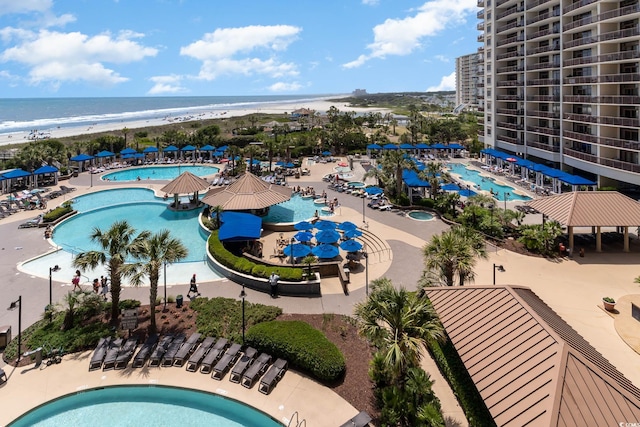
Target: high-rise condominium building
(561, 84)
(467, 81)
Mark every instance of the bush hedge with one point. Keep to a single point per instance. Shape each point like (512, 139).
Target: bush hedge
(58, 212)
(246, 266)
(303, 346)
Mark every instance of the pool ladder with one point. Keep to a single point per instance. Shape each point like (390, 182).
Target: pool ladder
(298, 423)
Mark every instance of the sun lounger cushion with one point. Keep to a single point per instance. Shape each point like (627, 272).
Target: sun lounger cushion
(361, 420)
(198, 355)
(99, 353)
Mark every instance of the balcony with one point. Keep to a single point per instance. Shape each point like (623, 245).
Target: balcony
(582, 137)
(543, 82)
(612, 163)
(543, 33)
(543, 49)
(545, 114)
(508, 40)
(480, 14)
(580, 42)
(510, 11)
(544, 130)
(510, 111)
(544, 98)
(509, 83)
(619, 121)
(570, 80)
(481, 38)
(512, 69)
(609, 57)
(511, 54)
(621, 34)
(621, 100)
(509, 97)
(543, 16)
(536, 3)
(580, 155)
(507, 125)
(619, 78)
(581, 99)
(480, 26)
(620, 143)
(480, 3)
(623, 11)
(579, 23)
(585, 118)
(510, 140)
(543, 66)
(577, 5)
(543, 146)
(508, 27)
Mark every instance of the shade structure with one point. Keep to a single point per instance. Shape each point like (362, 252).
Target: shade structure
(207, 148)
(374, 147)
(450, 187)
(325, 251)
(303, 226)
(373, 190)
(326, 153)
(351, 245)
(150, 150)
(406, 146)
(16, 173)
(104, 153)
(347, 225)
(325, 225)
(422, 146)
(390, 147)
(188, 148)
(327, 236)
(238, 227)
(81, 158)
(45, 169)
(298, 250)
(350, 234)
(185, 183)
(246, 193)
(467, 193)
(303, 236)
(128, 151)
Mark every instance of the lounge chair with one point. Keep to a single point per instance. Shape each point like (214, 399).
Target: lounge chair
(243, 364)
(99, 353)
(361, 420)
(213, 355)
(273, 375)
(32, 223)
(228, 358)
(145, 351)
(186, 349)
(3, 376)
(256, 370)
(156, 357)
(66, 189)
(194, 361)
(172, 350)
(126, 353)
(112, 354)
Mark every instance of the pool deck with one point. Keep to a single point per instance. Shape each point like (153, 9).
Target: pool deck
(573, 287)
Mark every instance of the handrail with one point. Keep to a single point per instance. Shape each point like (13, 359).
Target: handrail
(291, 419)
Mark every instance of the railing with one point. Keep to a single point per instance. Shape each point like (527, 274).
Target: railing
(536, 3)
(510, 11)
(583, 137)
(544, 130)
(514, 39)
(543, 146)
(509, 83)
(543, 82)
(578, 23)
(545, 114)
(577, 5)
(615, 78)
(581, 99)
(543, 49)
(511, 69)
(620, 34)
(609, 57)
(580, 155)
(580, 42)
(543, 16)
(508, 26)
(605, 120)
(543, 33)
(510, 140)
(627, 10)
(544, 98)
(507, 125)
(509, 97)
(587, 118)
(543, 65)
(511, 54)
(616, 164)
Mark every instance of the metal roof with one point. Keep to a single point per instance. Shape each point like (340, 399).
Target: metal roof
(247, 192)
(590, 209)
(531, 367)
(185, 183)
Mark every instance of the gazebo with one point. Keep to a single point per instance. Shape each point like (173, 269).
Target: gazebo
(594, 209)
(247, 193)
(186, 183)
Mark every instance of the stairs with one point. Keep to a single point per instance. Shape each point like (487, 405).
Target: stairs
(378, 250)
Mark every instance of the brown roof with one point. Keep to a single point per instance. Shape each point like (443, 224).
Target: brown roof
(590, 209)
(531, 367)
(185, 183)
(247, 192)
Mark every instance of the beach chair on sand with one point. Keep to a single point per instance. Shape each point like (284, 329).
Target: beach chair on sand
(186, 349)
(256, 370)
(213, 355)
(172, 350)
(99, 353)
(112, 354)
(243, 364)
(273, 376)
(156, 357)
(126, 353)
(228, 358)
(361, 420)
(194, 361)
(145, 351)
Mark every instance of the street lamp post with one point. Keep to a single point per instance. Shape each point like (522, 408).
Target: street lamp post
(243, 294)
(14, 304)
(165, 287)
(363, 219)
(49, 308)
(366, 272)
(500, 268)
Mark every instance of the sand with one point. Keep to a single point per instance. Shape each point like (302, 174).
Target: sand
(321, 106)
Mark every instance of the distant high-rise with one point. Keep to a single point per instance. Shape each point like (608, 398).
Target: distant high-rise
(561, 84)
(467, 81)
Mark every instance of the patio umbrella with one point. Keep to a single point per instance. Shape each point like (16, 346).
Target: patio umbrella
(303, 226)
(80, 158)
(351, 245)
(150, 150)
(325, 225)
(128, 151)
(373, 190)
(347, 225)
(350, 234)
(326, 153)
(298, 250)
(303, 236)
(105, 153)
(325, 251)
(327, 236)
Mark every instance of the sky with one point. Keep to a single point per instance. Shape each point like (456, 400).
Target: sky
(99, 48)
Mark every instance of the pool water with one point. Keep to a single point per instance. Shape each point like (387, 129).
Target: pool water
(144, 406)
(420, 215)
(486, 183)
(104, 198)
(295, 209)
(356, 184)
(158, 172)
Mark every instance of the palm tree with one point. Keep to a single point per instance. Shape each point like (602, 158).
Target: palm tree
(399, 323)
(393, 162)
(153, 252)
(218, 211)
(453, 253)
(116, 245)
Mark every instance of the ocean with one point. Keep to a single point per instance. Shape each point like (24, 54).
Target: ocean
(43, 114)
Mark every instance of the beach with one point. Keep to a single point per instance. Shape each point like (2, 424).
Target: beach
(321, 106)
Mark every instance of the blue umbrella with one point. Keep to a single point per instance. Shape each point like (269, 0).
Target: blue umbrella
(207, 148)
(326, 153)
(325, 251)
(80, 158)
(223, 148)
(350, 234)
(298, 250)
(373, 190)
(351, 245)
(150, 150)
(128, 151)
(171, 148)
(303, 236)
(105, 153)
(347, 225)
(303, 226)
(289, 165)
(327, 236)
(188, 148)
(325, 225)
(374, 147)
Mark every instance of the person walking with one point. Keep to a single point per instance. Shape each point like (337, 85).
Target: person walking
(273, 284)
(76, 281)
(105, 289)
(96, 285)
(193, 287)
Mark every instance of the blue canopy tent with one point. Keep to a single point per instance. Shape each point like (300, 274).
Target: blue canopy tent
(151, 150)
(327, 236)
(390, 147)
(223, 148)
(189, 149)
(128, 150)
(325, 251)
(81, 158)
(351, 245)
(171, 149)
(14, 180)
(208, 148)
(456, 147)
(406, 146)
(45, 170)
(439, 146)
(239, 226)
(325, 225)
(303, 225)
(326, 153)
(413, 181)
(105, 153)
(373, 190)
(303, 236)
(423, 146)
(374, 147)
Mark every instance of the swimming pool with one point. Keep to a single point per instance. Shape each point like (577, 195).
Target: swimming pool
(356, 184)
(486, 183)
(158, 172)
(295, 209)
(420, 215)
(144, 405)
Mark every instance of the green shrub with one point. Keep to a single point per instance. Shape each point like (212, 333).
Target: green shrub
(426, 202)
(128, 304)
(58, 212)
(304, 347)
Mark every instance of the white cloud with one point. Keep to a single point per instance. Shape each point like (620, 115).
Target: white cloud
(442, 58)
(24, 6)
(285, 87)
(402, 37)
(370, 2)
(447, 83)
(247, 51)
(166, 84)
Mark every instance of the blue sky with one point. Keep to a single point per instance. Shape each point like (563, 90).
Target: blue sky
(242, 47)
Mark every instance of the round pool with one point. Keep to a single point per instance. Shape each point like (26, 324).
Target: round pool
(356, 184)
(293, 210)
(157, 173)
(420, 215)
(144, 405)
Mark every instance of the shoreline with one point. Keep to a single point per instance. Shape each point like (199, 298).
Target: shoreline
(321, 106)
